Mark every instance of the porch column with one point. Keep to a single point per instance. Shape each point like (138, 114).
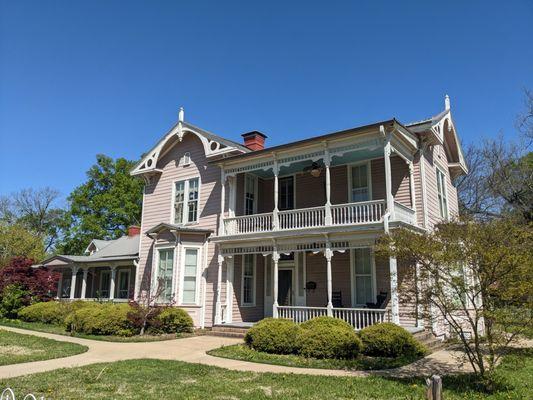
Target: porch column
(84, 283)
(329, 254)
(275, 259)
(218, 304)
(395, 306)
(232, 196)
(222, 205)
(59, 286)
(275, 217)
(73, 282)
(412, 186)
(328, 218)
(388, 178)
(112, 283)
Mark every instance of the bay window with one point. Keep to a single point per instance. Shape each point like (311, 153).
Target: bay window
(186, 194)
(189, 292)
(164, 273)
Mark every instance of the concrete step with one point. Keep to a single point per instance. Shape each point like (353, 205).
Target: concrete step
(229, 331)
(432, 343)
(226, 334)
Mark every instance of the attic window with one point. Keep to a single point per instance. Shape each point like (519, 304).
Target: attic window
(186, 159)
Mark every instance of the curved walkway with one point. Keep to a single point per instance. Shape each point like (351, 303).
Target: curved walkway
(193, 350)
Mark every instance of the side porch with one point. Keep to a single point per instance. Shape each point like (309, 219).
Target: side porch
(339, 279)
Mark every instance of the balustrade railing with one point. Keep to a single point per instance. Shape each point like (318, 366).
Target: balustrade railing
(301, 314)
(248, 224)
(358, 213)
(404, 213)
(302, 218)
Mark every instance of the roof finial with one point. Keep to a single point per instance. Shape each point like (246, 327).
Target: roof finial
(446, 102)
(181, 115)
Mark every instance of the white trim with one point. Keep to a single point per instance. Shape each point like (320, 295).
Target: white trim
(444, 192)
(353, 276)
(254, 284)
(230, 278)
(256, 193)
(185, 212)
(349, 167)
(204, 284)
(184, 248)
(155, 266)
(186, 158)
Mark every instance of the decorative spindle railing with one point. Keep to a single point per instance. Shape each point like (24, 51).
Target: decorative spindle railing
(302, 218)
(248, 224)
(358, 213)
(301, 314)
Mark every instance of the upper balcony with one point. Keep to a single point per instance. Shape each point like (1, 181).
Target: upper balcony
(351, 180)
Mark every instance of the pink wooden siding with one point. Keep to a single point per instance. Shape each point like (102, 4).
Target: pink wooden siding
(248, 313)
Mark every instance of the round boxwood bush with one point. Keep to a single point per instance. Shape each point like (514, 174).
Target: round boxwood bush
(327, 337)
(172, 320)
(389, 340)
(49, 312)
(101, 319)
(277, 336)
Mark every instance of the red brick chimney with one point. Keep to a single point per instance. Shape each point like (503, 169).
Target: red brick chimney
(134, 230)
(254, 140)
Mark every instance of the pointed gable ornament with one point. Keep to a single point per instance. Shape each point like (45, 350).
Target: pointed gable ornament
(181, 118)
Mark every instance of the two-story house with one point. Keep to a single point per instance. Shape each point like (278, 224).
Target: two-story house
(238, 232)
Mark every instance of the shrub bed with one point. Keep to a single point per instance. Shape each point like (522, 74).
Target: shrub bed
(171, 320)
(101, 319)
(50, 312)
(389, 340)
(326, 337)
(278, 336)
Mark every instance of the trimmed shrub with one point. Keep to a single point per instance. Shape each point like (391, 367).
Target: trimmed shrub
(12, 299)
(101, 319)
(277, 336)
(389, 340)
(50, 312)
(172, 320)
(327, 337)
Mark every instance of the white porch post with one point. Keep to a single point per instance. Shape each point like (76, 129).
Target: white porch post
(222, 205)
(388, 178)
(228, 318)
(59, 286)
(275, 217)
(84, 283)
(218, 305)
(275, 259)
(329, 254)
(395, 306)
(112, 283)
(328, 218)
(73, 282)
(232, 196)
(412, 186)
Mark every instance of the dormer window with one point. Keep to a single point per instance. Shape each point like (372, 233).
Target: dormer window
(186, 159)
(186, 195)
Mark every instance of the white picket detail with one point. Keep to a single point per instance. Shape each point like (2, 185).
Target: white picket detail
(360, 318)
(302, 218)
(404, 213)
(358, 213)
(301, 314)
(248, 224)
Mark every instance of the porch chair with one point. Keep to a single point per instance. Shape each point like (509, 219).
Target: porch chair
(380, 301)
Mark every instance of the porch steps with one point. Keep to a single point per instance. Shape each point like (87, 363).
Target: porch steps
(228, 331)
(427, 338)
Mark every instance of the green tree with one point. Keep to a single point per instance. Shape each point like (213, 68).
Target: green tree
(17, 241)
(104, 206)
(478, 276)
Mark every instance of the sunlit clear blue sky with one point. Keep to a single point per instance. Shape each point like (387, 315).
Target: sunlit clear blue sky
(79, 78)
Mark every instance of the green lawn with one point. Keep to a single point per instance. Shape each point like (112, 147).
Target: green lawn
(17, 348)
(60, 330)
(158, 379)
(244, 353)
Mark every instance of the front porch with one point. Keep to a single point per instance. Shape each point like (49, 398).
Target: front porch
(352, 285)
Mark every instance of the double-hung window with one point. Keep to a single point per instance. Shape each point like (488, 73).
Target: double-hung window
(164, 273)
(442, 194)
(360, 183)
(248, 280)
(363, 276)
(190, 276)
(186, 201)
(250, 195)
(286, 193)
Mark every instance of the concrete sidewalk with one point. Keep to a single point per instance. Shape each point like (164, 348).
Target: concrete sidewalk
(193, 350)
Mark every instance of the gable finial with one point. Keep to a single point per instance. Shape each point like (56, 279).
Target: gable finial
(181, 115)
(446, 102)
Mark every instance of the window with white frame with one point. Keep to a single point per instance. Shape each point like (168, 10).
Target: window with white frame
(248, 280)
(190, 276)
(360, 183)
(164, 273)
(250, 195)
(186, 159)
(186, 201)
(442, 194)
(363, 276)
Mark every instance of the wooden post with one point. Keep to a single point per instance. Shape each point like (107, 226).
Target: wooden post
(328, 217)
(275, 259)
(218, 305)
(329, 253)
(275, 216)
(222, 205)
(73, 282)
(388, 178)
(434, 388)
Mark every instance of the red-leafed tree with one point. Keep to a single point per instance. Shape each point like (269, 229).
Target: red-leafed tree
(20, 285)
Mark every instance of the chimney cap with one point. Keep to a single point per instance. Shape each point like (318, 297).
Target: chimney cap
(254, 133)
